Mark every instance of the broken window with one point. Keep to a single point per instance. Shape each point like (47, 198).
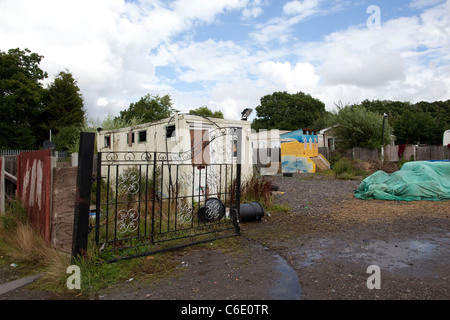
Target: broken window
(107, 141)
(142, 136)
(170, 131)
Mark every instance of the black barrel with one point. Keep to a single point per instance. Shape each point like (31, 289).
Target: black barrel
(213, 210)
(252, 211)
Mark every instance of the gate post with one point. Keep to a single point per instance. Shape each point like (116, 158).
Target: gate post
(83, 194)
(238, 177)
(97, 201)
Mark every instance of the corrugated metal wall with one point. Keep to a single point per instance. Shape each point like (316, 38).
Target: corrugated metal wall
(34, 188)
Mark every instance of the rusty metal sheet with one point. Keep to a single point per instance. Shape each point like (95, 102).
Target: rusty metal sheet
(34, 180)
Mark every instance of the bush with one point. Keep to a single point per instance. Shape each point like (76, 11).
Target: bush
(343, 165)
(347, 169)
(15, 214)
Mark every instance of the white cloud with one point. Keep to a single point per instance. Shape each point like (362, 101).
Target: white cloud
(104, 43)
(205, 61)
(406, 59)
(205, 10)
(102, 102)
(250, 13)
(372, 67)
(280, 29)
(304, 8)
(301, 77)
(115, 49)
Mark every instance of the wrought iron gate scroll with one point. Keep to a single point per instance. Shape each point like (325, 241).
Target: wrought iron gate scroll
(147, 202)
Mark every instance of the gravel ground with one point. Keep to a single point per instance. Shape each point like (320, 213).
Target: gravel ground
(320, 249)
(409, 241)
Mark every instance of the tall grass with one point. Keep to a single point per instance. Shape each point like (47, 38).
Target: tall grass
(348, 169)
(257, 189)
(25, 246)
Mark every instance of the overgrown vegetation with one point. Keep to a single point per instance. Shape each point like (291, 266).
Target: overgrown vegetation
(347, 169)
(26, 248)
(257, 189)
(14, 215)
(358, 127)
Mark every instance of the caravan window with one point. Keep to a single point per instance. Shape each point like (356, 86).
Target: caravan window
(170, 131)
(107, 141)
(130, 138)
(142, 136)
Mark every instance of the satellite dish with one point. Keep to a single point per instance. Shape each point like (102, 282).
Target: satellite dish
(49, 145)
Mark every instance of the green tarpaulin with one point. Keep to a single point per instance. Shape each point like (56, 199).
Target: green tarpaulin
(417, 180)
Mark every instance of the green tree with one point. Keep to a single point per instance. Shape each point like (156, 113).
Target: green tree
(64, 109)
(149, 108)
(357, 127)
(206, 112)
(421, 122)
(417, 126)
(285, 111)
(21, 94)
(64, 105)
(66, 137)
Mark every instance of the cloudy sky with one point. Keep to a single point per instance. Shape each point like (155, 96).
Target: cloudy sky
(227, 54)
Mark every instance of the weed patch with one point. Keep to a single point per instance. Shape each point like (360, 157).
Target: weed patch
(347, 169)
(258, 189)
(14, 215)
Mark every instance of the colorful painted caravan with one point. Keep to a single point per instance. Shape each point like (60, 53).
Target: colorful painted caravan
(300, 152)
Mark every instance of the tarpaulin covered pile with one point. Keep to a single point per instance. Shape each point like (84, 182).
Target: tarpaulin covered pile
(417, 180)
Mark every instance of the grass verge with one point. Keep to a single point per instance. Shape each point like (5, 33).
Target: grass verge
(21, 245)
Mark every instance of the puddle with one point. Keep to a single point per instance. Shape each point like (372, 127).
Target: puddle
(396, 254)
(286, 286)
(388, 255)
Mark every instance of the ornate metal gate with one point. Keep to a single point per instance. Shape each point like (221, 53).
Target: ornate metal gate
(149, 202)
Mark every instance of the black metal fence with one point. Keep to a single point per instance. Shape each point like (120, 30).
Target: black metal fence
(148, 202)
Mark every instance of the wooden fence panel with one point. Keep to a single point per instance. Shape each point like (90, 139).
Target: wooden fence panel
(425, 153)
(365, 154)
(63, 203)
(34, 181)
(410, 152)
(10, 163)
(391, 153)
